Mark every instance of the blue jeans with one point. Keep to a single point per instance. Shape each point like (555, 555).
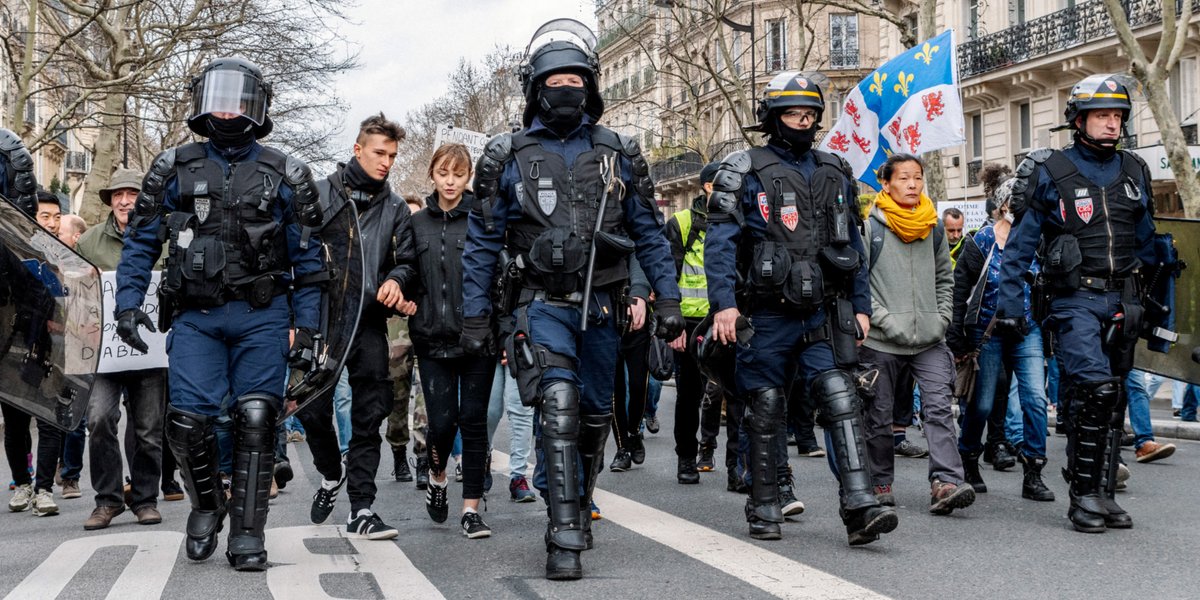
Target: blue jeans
(1139, 407)
(1014, 426)
(72, 456)
(1191, 401)
(507, 400)
(999, 360)
(341, 410)
(653, 393)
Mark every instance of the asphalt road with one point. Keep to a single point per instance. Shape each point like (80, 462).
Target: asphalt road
(658, 540)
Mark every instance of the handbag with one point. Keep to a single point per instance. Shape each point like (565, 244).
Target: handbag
(966, 371)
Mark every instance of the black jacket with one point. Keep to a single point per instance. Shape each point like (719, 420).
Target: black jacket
(969, 282)
(385, 227)
(440, 237)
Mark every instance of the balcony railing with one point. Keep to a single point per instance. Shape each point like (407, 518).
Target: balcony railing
(77, 161)
(1085, 22)
(973, 169)
(620, 29)
(673, 168)
(843, 59)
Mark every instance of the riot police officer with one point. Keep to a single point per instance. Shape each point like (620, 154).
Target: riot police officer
(238, 218)
(554, 195)
(1086, 211)
(782, 221)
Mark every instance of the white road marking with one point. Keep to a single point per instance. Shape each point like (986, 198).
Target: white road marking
(296, 573)
(766, 570)
(145, 576)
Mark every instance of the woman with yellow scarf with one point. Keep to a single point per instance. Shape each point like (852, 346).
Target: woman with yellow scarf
(912, 288)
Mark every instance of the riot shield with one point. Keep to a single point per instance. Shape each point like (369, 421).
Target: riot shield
(341, 304)
(50, 322)
(1185, 314)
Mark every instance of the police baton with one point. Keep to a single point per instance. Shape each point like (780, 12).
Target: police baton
(607, 167)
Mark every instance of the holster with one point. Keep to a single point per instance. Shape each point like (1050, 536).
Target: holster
(528, 361)
(844, 333)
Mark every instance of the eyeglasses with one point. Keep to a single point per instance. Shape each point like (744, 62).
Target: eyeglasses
(800, 116)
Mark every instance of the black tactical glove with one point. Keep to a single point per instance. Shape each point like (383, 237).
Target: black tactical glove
(1012, 328)
(127, 328)
(303, 350)
(670, 320)
(477, 337)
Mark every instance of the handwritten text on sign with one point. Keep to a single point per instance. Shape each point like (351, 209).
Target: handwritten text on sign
(116, 356)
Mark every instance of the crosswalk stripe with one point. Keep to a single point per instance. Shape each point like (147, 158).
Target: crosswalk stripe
(145, 576)
(766, 570)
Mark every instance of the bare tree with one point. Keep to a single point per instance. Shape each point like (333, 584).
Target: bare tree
(1152, 72)
(92, 60)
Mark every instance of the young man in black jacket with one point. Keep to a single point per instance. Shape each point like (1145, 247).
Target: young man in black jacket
(388, 257)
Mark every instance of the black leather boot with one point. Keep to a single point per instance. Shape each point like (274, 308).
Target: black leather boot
(1091, 412)
(1032, 487)
(400, 468)
(686, 472)
(565, 537)
(253, 464)
(971, 474)
(194, 444)
(764, 417)
(1003, 458)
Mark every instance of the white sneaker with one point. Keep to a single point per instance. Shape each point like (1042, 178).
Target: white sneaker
(43, 504)
(21, 498)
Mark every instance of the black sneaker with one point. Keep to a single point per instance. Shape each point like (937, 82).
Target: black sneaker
(652, 424)
(283, 473)
(370, 526)
(787, 499)
(435, 503)
(637, 449)
(473, 526)
(622, 461)
(705, 463)
(323, 501)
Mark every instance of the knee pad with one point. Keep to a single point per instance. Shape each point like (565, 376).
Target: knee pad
(1100, 398)
(836, 397)
(560, 410)
(764, 412)
(186, 428)
(256, 411)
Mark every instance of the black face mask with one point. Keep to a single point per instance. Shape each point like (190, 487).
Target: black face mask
(231, 133)
(561, 108)
(1101, 148)
(800, 140)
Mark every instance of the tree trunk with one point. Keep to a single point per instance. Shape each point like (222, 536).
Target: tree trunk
(1186, 181)
(105, 160)
(935, 177)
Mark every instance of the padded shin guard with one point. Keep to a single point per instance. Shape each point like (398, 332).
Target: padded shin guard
(763, 422)
(560, 434)
(194, 443)
(253, 468)
(1094, 407)
(593, 436)
(840, 413)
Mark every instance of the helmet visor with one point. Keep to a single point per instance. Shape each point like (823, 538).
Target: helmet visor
(568, 30)
(224, 93)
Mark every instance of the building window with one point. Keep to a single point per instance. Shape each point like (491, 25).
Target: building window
(1016, 12)
(972, 19)
(736, 52)
(1023, 138)
(843, 41)
(976, 133)
(1182, 87)
(776, 45)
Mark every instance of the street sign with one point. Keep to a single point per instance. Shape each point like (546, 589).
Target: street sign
(473, 140)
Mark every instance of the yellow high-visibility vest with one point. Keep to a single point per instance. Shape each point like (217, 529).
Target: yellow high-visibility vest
(693, 284)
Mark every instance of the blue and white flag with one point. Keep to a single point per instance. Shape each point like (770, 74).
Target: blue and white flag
(910, 104)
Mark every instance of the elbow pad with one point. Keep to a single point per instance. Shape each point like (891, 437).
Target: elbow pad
(22, 187)
(724, 204)
(643, 183)
(154, 184)
(306, 201)
(490, 166)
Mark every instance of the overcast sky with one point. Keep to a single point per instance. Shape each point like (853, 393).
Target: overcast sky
(408, 47)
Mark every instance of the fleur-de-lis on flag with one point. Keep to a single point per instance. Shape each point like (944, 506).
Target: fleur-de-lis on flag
(902, 83)
(926, 53)
(877, 87)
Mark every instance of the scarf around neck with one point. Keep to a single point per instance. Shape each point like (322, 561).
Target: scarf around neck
(909, 224)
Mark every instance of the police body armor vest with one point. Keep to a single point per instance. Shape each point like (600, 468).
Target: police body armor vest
(1102, 218)
(237, 250)
(800, 215)
(555, 197)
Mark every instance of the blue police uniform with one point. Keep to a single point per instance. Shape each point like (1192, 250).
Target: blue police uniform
(1090, 219)
(582, 360)
(233, 349)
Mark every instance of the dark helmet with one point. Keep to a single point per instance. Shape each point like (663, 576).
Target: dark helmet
(561, 45)
(1115, 90)
(231, 85)
(660, 358)
(788, 89)
(714, 360)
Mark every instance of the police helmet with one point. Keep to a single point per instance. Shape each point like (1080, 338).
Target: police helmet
(231, 85)
(1110, 90)
(714, 360)
(561, 46)
(660, 358)
(788, 89)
